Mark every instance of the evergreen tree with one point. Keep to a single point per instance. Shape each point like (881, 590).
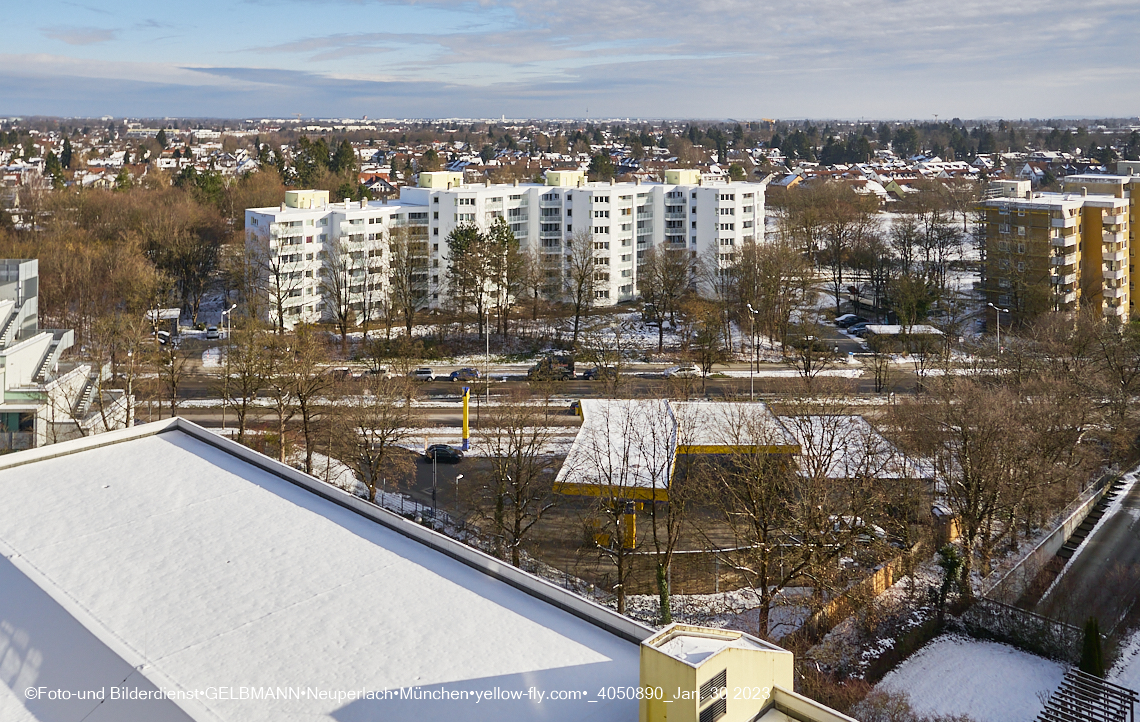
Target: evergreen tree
(65, 156)
(161, 137)
(602, 168)
(54, 170)
(1092, 656)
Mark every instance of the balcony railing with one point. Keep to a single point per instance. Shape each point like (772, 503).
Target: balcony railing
(1063, 241)
(1114, 291)
(1069, 259)
(1112, 237)
(1066, 279)
(1115, 275)
(1113, 220)
(1115, 256)
(1065, 222)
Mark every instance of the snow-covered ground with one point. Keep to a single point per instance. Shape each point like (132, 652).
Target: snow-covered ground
(987, 681)
(738, 609)
(1126, 671)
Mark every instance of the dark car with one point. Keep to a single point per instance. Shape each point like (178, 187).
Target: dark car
(599, 372)
(443, 452)
(849, 322)
(467, 374)
(858, 329)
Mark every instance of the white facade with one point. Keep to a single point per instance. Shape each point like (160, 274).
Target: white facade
(624, 220)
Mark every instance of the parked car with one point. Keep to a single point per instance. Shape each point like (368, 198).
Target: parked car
(859, 329)
(381, 371)
(559, 367)
(342, 373)
(576, 407)
(443, 452)
(849, 322)
(465, 374)
(686, 371)
(212, 333)
(599, 372)
(423, 373)
(839, 320)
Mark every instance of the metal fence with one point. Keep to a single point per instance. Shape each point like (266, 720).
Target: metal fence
(1085, 698)
(988, 619)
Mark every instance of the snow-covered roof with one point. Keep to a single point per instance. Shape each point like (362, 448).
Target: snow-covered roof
(847, 446)
(171, 558)
(712, 427)
(624, 446)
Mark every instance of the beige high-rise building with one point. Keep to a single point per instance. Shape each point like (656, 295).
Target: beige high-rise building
(1060, 251)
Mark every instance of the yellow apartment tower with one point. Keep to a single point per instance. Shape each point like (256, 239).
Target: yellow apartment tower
(1060, 251)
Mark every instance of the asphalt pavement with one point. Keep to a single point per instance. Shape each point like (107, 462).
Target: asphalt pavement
(1103, 579)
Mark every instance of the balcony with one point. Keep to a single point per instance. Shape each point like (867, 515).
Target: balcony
(1064, 298)
(1115, 256)
(1069, 259)
(1113, 220)
(675, 216)
(1067, 279)
(1112, 237)
(1114, 291)
(1118, 274)
(1070, 222)
(1062, 241)
(1115, 310)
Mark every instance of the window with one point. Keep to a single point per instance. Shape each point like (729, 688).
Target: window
(626, 226)
(1021, 230)
(601, 230)
(602, 214)
(601, 261)
(728, 226)
(601, 245)
(435, 231)
(253, 221)
(694, 195)
(625, 258)
(1003, 263)
(465, 217)
(516, 198)
(728, 211)
(551, 212)
(1003, 283)
(435, 199)
(1003, 245)
(569, 212)
(1021, 266)
(601, 199)
(1021, 248)
(626, 273)
(466, 201)
(728, 196)
(602, 294)
(626, 211)
(515, 212)
(694, 224)
(324, 221)
(435, 215)
(746, 224)
(551, 227)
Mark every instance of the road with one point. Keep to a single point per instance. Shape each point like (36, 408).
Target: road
(1103, 579)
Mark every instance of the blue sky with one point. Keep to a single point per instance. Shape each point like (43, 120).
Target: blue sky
(568, 58)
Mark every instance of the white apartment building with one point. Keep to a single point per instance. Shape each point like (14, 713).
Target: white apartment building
(711, 220)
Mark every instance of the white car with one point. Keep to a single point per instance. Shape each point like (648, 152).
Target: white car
(424, 373)
(212, 333)
(687, 371)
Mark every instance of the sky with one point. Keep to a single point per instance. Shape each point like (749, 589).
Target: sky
(716, 59)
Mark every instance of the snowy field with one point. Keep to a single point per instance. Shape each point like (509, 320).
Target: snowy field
(987, 681)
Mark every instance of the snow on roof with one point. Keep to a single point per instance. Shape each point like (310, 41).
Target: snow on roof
(201, 564)
(693, 647)
(622, 444)
(709, 427)
(895, 330)
(847, 446)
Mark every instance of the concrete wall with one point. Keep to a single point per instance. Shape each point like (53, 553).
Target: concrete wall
(1013, 584)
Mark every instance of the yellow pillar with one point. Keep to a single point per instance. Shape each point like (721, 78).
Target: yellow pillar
(466, 418)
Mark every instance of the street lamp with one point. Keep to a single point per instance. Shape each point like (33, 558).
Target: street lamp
(752, 357)
(225, 318)
(997, 315)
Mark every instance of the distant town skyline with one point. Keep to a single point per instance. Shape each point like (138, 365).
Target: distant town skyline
(909, 59)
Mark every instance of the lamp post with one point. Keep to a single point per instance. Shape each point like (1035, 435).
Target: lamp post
(997, 315)
(752, 355)
(457, 478)
(226, 318)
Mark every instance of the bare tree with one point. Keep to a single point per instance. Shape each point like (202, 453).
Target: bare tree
(516, 491)
(665, 276)
(581, 277)
(337, 276)
(244, 370)
(305, 366)
(408, 276)
(369, 427)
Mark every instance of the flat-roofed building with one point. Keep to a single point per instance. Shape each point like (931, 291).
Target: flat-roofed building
(297, 244)
(1057, 251)
(167, 574)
